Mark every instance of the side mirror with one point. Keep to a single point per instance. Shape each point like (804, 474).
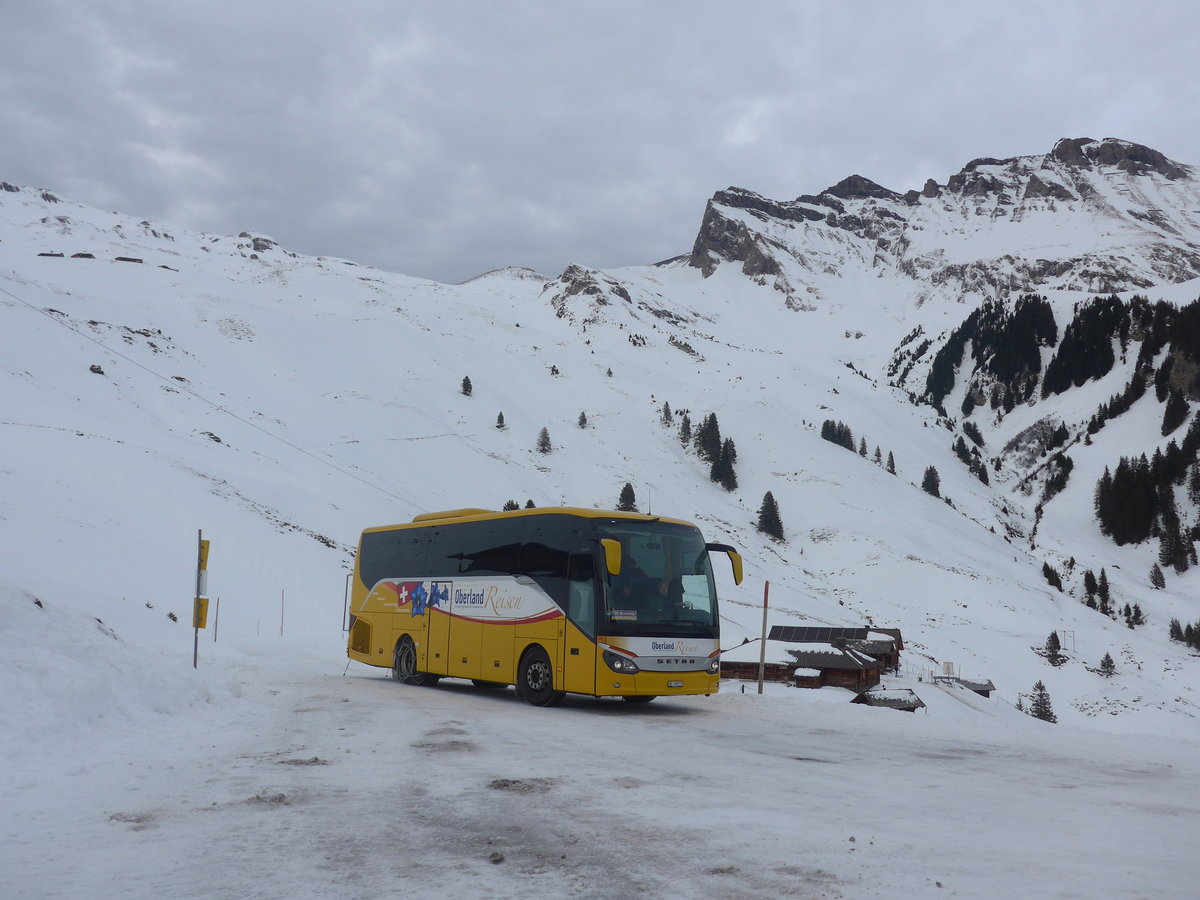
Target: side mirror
(612, 555)
(735, 559)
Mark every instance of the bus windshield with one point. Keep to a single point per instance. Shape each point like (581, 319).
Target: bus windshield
(665, 586)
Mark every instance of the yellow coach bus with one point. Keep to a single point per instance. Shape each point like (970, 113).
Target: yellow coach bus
(554, 600)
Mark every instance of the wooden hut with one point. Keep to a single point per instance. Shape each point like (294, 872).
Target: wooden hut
(846, 668)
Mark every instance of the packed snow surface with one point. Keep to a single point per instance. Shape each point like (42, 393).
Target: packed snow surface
(271, 772)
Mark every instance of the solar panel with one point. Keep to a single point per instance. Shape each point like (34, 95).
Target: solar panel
(821, 634)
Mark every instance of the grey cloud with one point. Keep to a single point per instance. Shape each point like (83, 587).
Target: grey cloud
(445, 139)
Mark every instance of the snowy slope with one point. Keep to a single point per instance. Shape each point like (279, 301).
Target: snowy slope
(282, 403)
(290, 401)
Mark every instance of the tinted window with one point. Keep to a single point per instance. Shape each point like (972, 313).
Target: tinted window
(538, 546)
(445, 551)
(665, 585)
(392, 554)
(487, 548)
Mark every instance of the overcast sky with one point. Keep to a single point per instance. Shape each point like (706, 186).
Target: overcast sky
(444, 139)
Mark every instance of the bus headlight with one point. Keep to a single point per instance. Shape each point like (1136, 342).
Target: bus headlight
(619, 663)
(714, 666)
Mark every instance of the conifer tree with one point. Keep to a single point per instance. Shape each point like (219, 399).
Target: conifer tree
(1039, 706)
(1089, 583)
(838, 433)
(1051, 575)
(708, 439)
(878, 456)
(931, 483)
(529, 504)
(891, 463)
(862, 447)
(1175, 412)
(722, 471)
(1053, 650)
(685, 430)
(500, 420)
(1107, 667)
(510, 505)
(582, 423)
(1103, 594)
(543, 441)
(667, 418)
(1157, 581)
(466, 386)
(626, 502)
(769, 522)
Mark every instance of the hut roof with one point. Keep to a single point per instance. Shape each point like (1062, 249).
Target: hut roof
(832, 659)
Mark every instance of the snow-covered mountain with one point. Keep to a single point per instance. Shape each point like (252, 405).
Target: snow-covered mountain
(1095, 216)
(157, 382)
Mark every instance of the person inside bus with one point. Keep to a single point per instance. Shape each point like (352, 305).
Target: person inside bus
(644, 593)
(634, 588)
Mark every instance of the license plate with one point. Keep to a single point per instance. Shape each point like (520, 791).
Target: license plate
(674, 684)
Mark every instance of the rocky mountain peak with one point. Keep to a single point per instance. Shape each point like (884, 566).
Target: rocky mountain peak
(858, 188)
(978, 235)
(1136, 159)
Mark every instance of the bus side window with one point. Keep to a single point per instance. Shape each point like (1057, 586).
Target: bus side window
(547, 565)
(489, 548)
(402, 553)
(581, 592)
(445, 550)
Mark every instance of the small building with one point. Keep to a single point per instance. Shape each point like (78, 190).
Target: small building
(982, 688)
(806, 678)
(897, 698)
(741, 661)
(838, 668)
(883, 651)
(882, 644)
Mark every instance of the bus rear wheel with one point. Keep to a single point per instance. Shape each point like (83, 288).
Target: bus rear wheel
(535, 679)
(404, 664)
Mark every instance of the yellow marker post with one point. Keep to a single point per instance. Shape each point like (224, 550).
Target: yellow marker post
(200, 602)
(200, 612)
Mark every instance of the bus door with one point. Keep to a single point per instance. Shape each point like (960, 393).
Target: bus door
(466, 644)
(437, 605)
(578, 647)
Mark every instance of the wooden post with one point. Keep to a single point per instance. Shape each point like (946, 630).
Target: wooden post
(762, 645)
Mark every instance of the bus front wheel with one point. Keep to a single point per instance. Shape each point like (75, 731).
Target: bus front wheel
(404, 664)
(535, 679)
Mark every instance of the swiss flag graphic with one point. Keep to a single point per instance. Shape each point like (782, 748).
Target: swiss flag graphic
(404, 591)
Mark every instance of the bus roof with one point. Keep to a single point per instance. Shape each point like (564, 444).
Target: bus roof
(471, 514)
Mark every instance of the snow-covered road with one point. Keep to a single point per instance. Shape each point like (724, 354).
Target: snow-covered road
(297, 781)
